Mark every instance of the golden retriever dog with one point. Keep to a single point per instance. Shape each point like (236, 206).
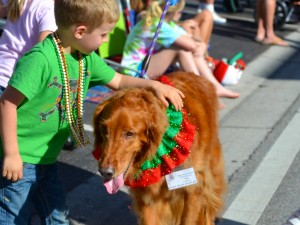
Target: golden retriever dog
(171, 160)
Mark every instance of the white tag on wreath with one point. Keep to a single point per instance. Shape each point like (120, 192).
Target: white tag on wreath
(181, 178)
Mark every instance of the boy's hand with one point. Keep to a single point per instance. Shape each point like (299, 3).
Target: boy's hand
(12, 167)
(164, 92)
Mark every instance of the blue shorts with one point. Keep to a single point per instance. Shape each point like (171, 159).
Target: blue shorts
(40, 187)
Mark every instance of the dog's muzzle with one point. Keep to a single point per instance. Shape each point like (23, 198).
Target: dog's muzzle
(107, 173)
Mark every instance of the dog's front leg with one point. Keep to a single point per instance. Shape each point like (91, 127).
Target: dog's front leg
(192, 209)
(157, 213)
(148, 216)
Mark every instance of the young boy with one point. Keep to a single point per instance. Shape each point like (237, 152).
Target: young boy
(43, 102)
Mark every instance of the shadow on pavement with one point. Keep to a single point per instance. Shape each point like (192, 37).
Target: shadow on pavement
(72, 176)
(88, 201)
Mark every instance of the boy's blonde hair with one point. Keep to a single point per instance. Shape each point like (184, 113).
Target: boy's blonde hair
(15, 8)
(155, 10)
(92, 13)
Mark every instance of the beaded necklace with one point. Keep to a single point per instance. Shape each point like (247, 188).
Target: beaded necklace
(75, 124)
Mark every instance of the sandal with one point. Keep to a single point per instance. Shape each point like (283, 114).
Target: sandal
(276, 41)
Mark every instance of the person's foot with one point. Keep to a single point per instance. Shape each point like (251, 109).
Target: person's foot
(259, 39)
(275, 41)
(218, 19)
(221, 105)
(222, 92)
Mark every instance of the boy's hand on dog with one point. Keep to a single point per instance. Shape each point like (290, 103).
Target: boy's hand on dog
(12, 167)
(167, 92)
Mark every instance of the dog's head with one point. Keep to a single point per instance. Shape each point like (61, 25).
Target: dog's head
(128, 129)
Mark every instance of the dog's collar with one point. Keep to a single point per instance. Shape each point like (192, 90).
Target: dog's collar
(173, 150)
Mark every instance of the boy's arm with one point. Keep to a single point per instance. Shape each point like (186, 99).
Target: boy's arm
(12, 162)
(162, 91)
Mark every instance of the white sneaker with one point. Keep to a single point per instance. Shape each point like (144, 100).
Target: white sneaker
(294, 219)
(218, 19)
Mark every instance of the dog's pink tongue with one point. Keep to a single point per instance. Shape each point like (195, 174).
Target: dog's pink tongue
(113, 185)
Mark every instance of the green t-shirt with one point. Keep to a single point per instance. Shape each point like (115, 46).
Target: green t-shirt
(42, 126)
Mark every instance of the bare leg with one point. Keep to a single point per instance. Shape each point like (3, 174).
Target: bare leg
(265, 29)
(206, 72)
(270, 36)
(269, 9)
(163, 59)
(205, 26)
(260, 21)
(187, 64)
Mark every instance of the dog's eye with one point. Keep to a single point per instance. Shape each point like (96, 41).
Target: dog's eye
(129, 134)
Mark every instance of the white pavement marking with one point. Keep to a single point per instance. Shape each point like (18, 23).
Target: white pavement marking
(254, 197)
(88, 127)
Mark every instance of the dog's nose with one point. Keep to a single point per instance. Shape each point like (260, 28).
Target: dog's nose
(107, 173)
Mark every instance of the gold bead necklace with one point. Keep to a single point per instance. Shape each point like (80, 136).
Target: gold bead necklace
(75, 124)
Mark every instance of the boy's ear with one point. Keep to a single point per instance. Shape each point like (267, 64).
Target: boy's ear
(80, 31)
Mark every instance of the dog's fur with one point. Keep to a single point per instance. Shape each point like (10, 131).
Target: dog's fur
(128, 128)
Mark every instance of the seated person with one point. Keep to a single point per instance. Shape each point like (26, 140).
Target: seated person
(174, 44)
(200, 26)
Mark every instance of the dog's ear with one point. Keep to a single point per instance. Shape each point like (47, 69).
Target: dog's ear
(98, 110)
(156, 120)
(155, 131)
(154, 134)
(97, 131)
(102, 105)
(150, 146)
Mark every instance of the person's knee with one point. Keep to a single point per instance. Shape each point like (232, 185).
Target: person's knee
(207, 15)
(183, 53)
(203, 46)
